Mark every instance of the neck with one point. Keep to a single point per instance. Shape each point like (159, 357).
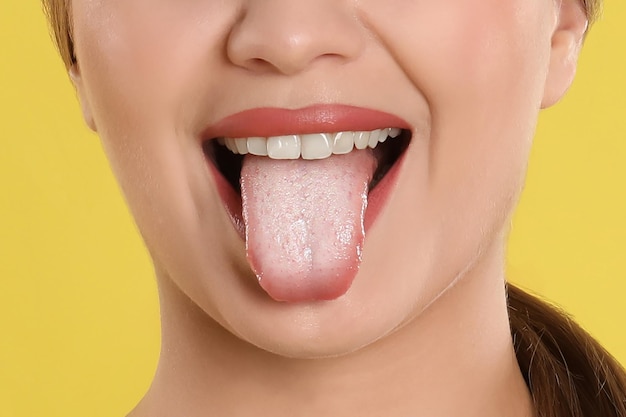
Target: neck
(455, 359)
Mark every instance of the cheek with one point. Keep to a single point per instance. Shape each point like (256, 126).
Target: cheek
(485, 95)
(142, 63)
(465, 49)
(145, 59)
(481, 66)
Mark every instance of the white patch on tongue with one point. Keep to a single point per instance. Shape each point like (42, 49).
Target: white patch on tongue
(304, 223)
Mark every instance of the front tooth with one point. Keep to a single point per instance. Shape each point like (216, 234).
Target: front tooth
(257, 146)
(242, 145)
(383, 135)
(316, 146)
(230, 144)
(374, 138)
(284, 147)
(361, 140)
(395, 132)
(343, 143)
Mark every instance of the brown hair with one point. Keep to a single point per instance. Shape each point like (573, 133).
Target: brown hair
(567, 371)
(58, 13)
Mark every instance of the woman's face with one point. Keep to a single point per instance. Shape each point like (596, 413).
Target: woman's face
(465, 78)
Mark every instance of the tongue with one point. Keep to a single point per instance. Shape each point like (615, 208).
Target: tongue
(304, 223)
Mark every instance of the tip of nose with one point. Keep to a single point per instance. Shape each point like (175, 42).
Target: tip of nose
(291, 39)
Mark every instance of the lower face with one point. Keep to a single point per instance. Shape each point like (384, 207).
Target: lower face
(167, 81)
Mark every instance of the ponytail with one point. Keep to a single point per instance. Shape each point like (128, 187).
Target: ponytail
(567, 371)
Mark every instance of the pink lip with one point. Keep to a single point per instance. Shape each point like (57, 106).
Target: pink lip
(267, 122)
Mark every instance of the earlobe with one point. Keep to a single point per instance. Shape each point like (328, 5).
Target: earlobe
(567, 40)
(77, 80)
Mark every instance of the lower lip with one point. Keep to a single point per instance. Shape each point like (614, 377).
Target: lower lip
(377, 197)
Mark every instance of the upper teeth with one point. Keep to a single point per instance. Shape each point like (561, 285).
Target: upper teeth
(310, 146)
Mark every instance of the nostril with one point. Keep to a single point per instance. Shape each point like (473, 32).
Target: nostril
(259, 65)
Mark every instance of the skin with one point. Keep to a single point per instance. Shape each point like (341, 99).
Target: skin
(470, 76)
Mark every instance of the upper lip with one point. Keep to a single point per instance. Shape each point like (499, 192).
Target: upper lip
(324, 118)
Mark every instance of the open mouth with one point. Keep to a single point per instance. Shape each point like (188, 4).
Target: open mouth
(387, 145)
(302, 202)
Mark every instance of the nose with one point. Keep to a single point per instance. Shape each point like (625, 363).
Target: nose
(288, 36)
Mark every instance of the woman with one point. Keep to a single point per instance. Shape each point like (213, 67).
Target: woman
(325, 188)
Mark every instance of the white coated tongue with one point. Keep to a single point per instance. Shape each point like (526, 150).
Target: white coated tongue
(304, 223)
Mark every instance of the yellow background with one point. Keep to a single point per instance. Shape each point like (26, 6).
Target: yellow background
(79, 332)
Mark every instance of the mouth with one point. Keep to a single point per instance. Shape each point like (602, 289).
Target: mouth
(386, 144)
(302, 187)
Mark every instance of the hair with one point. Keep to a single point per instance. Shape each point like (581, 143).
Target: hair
(568, 373)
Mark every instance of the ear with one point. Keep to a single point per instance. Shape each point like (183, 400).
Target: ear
(77, 80)
(567, 40)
